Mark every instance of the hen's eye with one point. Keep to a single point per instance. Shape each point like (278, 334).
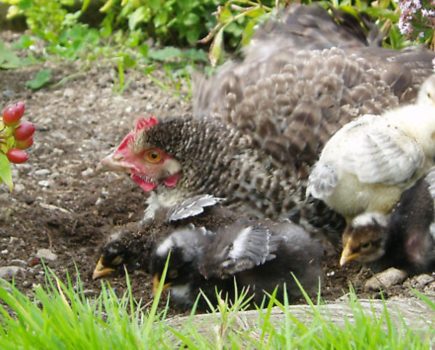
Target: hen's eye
(153, 156)
(117, 260)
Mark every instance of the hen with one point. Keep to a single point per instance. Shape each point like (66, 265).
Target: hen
(259, 124)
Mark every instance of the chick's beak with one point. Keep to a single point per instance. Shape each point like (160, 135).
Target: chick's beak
(101, 271)
(156, 283)
(348, 255)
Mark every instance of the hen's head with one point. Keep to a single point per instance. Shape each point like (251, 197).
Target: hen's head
(149, 166)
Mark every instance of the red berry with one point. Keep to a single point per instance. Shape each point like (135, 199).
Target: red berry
(12, 114)
(24, 131)
(17, 156)
(25, 143)
(20, 108)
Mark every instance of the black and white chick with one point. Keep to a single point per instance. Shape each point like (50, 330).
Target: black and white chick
(262, 256)
(257, 256)
(402, 239)
(184, 249)
(131, 246)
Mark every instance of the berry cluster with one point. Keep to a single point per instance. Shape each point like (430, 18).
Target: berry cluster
(15, 135)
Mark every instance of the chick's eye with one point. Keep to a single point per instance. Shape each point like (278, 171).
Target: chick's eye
(153, 156)
(173, 274)
(366, 246)
(117, 260)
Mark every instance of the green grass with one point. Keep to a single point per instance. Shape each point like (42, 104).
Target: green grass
(60, 316)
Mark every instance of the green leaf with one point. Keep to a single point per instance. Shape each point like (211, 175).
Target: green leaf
(136, 17)
(41, 79)
(8, 59)
(165, 54)
(191, 20)
(216, 47)
(5, 171)
(85, 5)
(225, 15)
(248, 32)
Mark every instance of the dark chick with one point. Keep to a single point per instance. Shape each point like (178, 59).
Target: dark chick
(262, 256)
(402, 240)
(127, 249)
(131, 246)
(183, 249)
(247, 255)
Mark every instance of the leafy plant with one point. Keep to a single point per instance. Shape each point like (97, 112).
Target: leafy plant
(175, 22)
(44, 18)
(417, 20)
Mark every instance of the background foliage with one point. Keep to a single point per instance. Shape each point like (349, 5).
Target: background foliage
(68, 27)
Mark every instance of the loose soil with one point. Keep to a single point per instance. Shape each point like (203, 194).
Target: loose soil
(61, 202)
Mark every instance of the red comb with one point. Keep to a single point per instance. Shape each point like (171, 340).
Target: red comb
(124, 143)
(145, 123)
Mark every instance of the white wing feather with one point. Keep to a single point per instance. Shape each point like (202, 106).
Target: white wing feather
(381, 153)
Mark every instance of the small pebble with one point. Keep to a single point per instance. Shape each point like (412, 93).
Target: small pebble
(385, 279)
(68, 92)
(46, 254)
(18, 262)
(10, 271)
(423, 280)
(42, 172)
(44, 183)
(88, 172)
(27, 284)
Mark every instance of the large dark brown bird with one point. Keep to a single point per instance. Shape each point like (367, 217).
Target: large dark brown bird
(259, 124)
(251, 255)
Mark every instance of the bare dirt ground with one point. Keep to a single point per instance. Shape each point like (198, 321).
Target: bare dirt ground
(63, 204)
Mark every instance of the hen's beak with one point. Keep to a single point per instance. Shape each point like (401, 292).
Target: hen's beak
(156, 283)
(348, 255)
(114, 162)
(101, 271)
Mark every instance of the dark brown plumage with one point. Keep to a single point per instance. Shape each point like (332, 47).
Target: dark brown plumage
(259, 124)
